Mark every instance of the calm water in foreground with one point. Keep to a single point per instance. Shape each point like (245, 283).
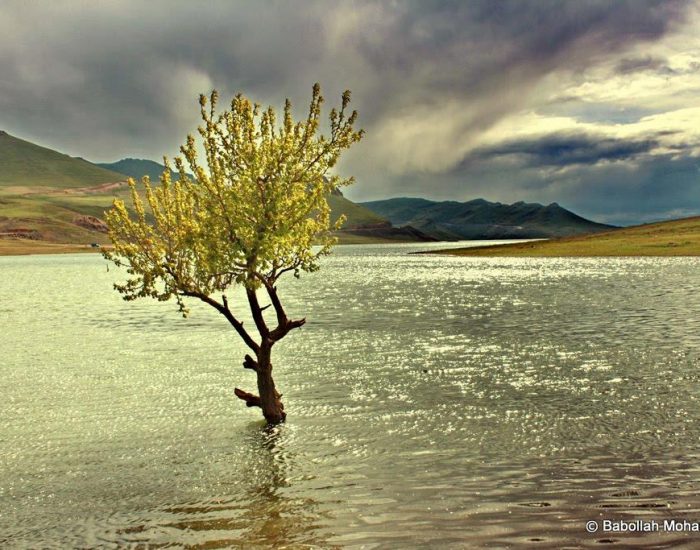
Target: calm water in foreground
(433, 402)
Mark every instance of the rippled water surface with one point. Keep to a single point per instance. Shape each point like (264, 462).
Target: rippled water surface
(433, 402)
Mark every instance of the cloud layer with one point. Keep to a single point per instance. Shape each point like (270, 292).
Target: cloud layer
(583, 103)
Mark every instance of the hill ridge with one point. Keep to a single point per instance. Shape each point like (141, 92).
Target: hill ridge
(28, 164)
(137, 168)
(482, 219)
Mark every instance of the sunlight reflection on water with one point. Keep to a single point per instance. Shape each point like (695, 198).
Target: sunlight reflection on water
(432, 400)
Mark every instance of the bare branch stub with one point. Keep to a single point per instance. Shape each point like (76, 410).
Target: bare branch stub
(250, 363)
(250, 399)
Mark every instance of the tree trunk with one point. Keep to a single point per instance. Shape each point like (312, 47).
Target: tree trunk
(270, 402)
(269, 399)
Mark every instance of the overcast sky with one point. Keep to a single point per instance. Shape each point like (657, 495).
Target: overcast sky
(591, 104)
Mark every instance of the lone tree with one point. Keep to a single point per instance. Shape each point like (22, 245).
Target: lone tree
(254, 210)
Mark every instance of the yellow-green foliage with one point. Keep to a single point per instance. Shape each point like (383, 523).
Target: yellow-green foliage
(250, 212)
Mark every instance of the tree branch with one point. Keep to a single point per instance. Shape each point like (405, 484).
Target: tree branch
(226, 312)
(274, 298)
(282, 330)
(257, 312)
(285, 270)
(284, 324)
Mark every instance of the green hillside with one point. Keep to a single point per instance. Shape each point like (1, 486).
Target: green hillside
(670, 238)
(25, 164)
(357, 215)
(54, 218)
(48, 198)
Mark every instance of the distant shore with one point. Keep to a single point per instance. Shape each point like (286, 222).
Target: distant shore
(671, 238)
(24, 247)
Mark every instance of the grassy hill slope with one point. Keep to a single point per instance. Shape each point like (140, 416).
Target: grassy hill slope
(55, 218)
(670, 238)
(48, 198)
(357, 215)
(25, 164)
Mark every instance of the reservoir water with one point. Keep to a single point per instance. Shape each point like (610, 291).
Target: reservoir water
(432, 401)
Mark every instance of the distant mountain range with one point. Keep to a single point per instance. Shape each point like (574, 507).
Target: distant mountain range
(481, 219)
(137, 168)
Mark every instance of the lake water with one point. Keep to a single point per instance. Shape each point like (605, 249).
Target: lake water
(433, 401)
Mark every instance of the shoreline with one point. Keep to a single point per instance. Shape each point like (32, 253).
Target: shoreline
(29, 247)
(21, 247)
(674, 238)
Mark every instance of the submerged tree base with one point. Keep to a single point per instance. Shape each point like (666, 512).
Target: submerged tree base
(274, 416)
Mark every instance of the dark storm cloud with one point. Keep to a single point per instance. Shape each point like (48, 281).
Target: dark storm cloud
(491, 53)
(631, 65)
(566, 149)
(652, 189)
(648, 63)
(122, 66)
(596, 112)
(111, 79)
